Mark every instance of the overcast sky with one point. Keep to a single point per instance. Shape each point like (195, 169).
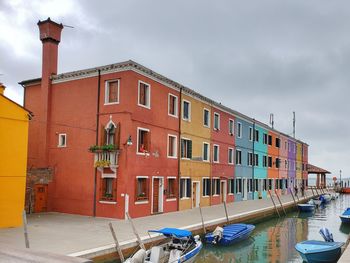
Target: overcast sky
(257, 57)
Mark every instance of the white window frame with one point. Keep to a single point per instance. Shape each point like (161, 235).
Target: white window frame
(208, 152)
(184, 198)
(149, 95)
(167, 180)
(232, 156)
(214, 186)
(251, 159)
(184, 158)
(176, 105)
(218, 154)
(218, 116)
(239, 150)
(251, 134)
(239, 130)
(107, 91)
(207, 126)
(175, 148)
(60, 145)
(229, 182)
(137, 140)
(205, 178)
(189, 110)
(237, 184)
(139, 202)
(233, 127)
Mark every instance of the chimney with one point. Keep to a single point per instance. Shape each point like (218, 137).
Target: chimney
(2, 88)
(50, 36)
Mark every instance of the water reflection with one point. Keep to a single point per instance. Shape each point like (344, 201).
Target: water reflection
(274, 240)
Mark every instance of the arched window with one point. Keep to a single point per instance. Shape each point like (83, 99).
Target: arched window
(110, 134)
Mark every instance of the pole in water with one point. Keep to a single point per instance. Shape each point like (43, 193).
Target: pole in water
(116, 243)
(226, 211)
(135, 232)
(200, 211)
(26, 240)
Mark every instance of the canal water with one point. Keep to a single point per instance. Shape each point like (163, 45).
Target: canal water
(273, 240)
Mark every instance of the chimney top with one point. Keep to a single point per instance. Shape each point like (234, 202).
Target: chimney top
(2, 88)
(50, 31)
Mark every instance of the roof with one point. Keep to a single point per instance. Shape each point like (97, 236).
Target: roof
(312, 169)
(132, 65)
(29, 112)
(173, 232)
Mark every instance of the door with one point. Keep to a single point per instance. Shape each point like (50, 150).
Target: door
(195, 194)
(223, 191)
(245, 189)
(40, 191)
(157, 205)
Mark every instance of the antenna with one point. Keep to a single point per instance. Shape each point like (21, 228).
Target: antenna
(271, 120)
(68, 26)
(293, 124)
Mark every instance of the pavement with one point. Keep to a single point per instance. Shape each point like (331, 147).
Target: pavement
(86, 236)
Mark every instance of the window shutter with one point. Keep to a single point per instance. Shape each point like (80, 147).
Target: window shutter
(103, 135)
(181, 188)
(182, 147)
(209, 187)
(189, 190)
(136, 186)
(190, 149)
(116, 136)
(142, 94)
(148, 141)
(171, 105)
(218, 185)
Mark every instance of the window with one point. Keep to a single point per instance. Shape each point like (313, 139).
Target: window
(270, 184)
(256, 136)
(277, 186)
(216, 153)
(62, 140)
(239, 130)
(108, 190)
(265, 138)
(270, 161)
(206, 118)
(112, 92)
(250, 133)
(264, 161)
(250, 185)
(285, 164)
(256, 185)
(186, 110)
(256, 159)
(270, 140)
(171, 191)
(288, 146)
(216, 121)
(205, 152)
(230, 155)
(186, 148)
(285, 145)
(141, 188)
(249, 159)
(206, 187)
(172, 146)
(143, 140)
(144, 98)
(238, 185)
(278, 142)
(238, 157)
(265, 185)
(231, 125)
(216, 186)
(185, 188)
(172, 105)
(231, 186)
(109, 134)
(278, 162)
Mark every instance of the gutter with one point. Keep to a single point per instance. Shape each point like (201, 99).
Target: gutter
(179, 151)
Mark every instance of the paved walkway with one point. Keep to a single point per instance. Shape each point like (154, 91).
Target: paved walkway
(88, 236)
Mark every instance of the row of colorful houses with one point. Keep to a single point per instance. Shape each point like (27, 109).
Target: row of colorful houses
(122, 138)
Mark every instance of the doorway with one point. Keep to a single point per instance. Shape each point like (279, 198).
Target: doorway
(223, 192)
(157, 195)
(244, 189)
(195, 194)
(40, 191)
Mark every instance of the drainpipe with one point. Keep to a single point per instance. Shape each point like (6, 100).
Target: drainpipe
(253, 158)
(96, 139)
(179, 151)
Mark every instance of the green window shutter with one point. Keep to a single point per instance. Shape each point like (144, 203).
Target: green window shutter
(190, 149)
(189, 190)
(182, 147)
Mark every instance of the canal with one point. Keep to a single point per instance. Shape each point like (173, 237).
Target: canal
(273, 240)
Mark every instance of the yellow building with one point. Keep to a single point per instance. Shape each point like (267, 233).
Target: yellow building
(13, 153)
(299, 163)
(195, 166)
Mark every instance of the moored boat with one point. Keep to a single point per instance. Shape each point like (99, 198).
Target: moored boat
(182, 247)
(345, 190)
(306, 207)
(229, 234)
(325, 198)
(317, 202)
(345, 217)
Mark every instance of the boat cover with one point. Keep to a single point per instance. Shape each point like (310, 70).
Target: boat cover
(347, 212)
(234, 229)
(315, 246)
(173, 232)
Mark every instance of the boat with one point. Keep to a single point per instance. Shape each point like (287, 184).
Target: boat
(317, 202)
(345, 217)
(325, 198)
(182, 247)
(229, 234)
(308, 207)
(314, 251)
(345, 190)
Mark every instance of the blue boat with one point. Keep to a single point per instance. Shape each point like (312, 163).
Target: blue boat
(345, 217)
(306, 207)
(315, 251)
(229, 234)
(182, 247)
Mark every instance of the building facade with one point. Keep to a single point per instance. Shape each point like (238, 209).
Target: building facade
(122, 138)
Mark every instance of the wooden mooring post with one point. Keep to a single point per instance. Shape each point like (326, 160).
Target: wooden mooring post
(226, 211)
(317, 191)
(312, 189)
(120, 253)
(200, 211)
(135, 232)
(291, 193)
(273, 202)
(279, 200)
(26, 239)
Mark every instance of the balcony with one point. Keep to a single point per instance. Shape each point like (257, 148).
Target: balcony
(106, 156)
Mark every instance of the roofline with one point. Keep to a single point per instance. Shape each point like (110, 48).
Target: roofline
(138, 68)
(29, 112)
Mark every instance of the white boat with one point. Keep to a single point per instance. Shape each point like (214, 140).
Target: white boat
(182, 247)
(327, 197)
(316, 202)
